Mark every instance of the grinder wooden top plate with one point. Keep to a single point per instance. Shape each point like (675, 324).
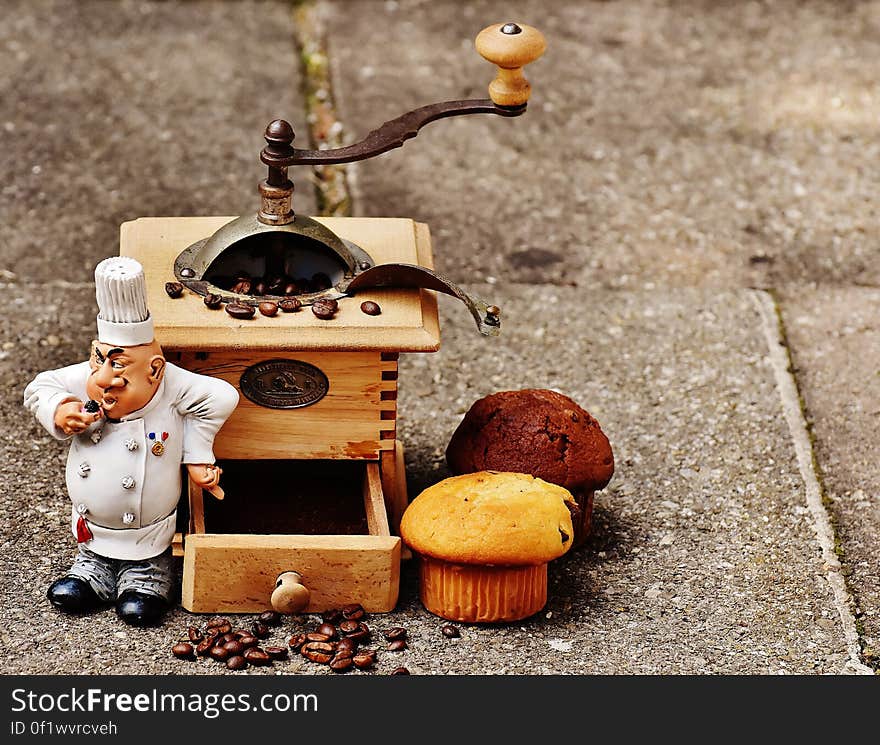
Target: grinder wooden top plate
(408, 322)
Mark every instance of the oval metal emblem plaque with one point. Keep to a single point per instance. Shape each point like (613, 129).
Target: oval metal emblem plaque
(284, 384)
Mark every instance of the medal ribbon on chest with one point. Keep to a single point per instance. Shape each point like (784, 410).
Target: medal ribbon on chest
(158, 444)
(83, 532)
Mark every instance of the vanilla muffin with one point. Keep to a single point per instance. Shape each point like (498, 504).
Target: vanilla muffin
(484, 540)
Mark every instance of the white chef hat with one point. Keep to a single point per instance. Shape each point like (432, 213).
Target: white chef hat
(121, 291)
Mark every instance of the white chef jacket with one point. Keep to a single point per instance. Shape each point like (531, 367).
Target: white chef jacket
(127, 494)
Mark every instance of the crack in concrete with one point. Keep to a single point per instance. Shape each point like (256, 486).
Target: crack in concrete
(792, 406)
(331, 183)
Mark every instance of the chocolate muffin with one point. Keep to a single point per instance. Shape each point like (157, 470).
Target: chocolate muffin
(539, 432)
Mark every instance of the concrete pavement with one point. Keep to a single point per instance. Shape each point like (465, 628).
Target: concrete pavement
(672, 158)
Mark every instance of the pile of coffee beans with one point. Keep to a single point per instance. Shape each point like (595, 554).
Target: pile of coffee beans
(339, 640)
(235, 648)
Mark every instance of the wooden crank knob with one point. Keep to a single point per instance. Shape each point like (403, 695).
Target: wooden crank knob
(290, 594)
(510, 46)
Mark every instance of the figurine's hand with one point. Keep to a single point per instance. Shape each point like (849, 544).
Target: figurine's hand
(207, 476)
(71, 418)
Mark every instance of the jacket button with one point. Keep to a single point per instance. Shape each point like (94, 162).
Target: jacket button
(131, 445)
(128, 518)
(83, 469)
(128, 482)
(82, 509)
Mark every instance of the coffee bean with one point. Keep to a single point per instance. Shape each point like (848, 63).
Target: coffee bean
(242, 287)
(328, 629)
(361, 634)
(260, 630)
(240, 310)
(219, 653)
(91, 407)
(174, 289)
(216, 623)
(268, 308)
(398, 645)
(236, 663)
(194, 634)
(321, 281)
(213, 301)
(450, 631)
(346, 627)
(399, 671)
(277, 653)
(257, 656)
(296, 641)
(270, 617)
(354, 611)
(204, 647)
(291, 288)
(224, 639)
(238, 633)
(259, 288)
(183, 651)
(398, 632)
(325, 308)
(347, 644)
(371, 308)
(341, 662)
(314, 636)
(274, 285)
(364, 659)
(320, 652)
(249, 641)
(290, 304)
(332, 616)
(234, 648)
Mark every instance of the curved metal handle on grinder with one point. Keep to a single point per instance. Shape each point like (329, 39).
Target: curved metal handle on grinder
(487, 317)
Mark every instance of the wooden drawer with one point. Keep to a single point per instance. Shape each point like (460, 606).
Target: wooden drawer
(228, 572)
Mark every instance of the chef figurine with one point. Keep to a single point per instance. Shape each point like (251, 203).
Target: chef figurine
(132, 419)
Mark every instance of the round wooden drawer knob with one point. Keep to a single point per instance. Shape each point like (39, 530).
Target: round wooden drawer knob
(290, 594)
(510, 46)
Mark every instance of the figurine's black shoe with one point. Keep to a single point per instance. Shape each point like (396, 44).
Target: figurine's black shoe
(72, 595)
(140, 609)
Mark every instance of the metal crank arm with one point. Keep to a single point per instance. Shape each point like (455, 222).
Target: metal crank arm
(487, 317)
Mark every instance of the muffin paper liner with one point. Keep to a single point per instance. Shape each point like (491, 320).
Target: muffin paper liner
(481, 594)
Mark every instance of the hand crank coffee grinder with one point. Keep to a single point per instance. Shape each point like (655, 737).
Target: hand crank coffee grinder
(317, 312)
